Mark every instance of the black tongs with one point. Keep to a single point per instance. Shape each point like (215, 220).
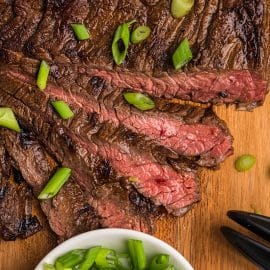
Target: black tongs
(255, 251)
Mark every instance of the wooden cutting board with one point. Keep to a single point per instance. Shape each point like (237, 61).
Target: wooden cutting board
(197, 235)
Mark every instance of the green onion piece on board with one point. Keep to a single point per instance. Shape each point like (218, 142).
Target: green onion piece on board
(120, 43)
(8, 119)
(137, 254)
(140, 34)
(180, 8)
(89, 258)
(182, 55)
(80, 31)
(55, 183)
(63, 109)
(48, 267)
(70, 259)
(140, 101)
(43, 73)
(106, 259)
(245, 163)
(160, 262)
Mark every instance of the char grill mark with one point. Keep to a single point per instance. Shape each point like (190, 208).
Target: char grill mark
(16, 218)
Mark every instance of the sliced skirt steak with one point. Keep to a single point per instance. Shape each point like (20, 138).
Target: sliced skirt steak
(172, 188)
(190, 131)
(74, 210)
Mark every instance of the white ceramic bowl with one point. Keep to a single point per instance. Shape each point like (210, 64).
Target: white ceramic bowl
(116, 239)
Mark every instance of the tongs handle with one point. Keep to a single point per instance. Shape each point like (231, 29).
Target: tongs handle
(253, 250)
(258, 224)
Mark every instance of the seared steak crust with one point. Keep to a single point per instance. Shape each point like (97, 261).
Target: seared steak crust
(223, 34)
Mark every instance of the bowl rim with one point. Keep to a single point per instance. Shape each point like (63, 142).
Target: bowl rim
(125, 232)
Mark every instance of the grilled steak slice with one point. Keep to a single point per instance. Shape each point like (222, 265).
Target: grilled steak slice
(247, 89)
(92, 209)
(223, 35)
(174, 190)
(16, 219)
(68, 213)
(243, 87)
(120, 150)
(187, 130)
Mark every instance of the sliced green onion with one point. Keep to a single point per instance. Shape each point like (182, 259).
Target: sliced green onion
(140, 101)
(43, 73)
(180, 8)
(63, 109)
(106, 259)
(245, 163)
(48, 267)
(120, 43)
(55, 183)
(89, 259)
(140, 34)
(80, 31)
(182, 55)
(160, 262)
(70, 259)
(137, 254)
(101, 258)
(8, 119)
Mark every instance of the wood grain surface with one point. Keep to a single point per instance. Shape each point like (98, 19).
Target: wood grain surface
(197, 235)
